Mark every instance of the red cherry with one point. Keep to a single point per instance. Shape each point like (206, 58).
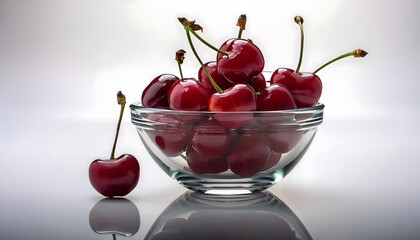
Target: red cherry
(258, 83)
(115, 177)
(188, 94)
(249, 155)
(275, 97)
(282, 141)
(240, 97)
(219, 79)
(171, 138)
(155, 94)
(211, 139)
(306, 88)
(243, 62)
(202, 164)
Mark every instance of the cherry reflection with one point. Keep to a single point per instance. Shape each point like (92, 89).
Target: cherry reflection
(115, 216)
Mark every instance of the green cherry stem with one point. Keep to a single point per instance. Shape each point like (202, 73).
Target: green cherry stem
(121, 101)
(299, 21)
(216, 87)
(208, 44)
(179, 57)
(192, 27)
(241, 24)
(357, 53)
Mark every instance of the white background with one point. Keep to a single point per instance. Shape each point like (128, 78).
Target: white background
(62, 62)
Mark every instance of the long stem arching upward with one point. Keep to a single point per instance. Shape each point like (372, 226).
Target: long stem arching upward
(357, 53)
(192, 27)
(299, 21)
(208, 44)
(216, 87)
(121, 101)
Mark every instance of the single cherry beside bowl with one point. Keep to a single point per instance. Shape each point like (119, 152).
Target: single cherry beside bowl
(115, 176)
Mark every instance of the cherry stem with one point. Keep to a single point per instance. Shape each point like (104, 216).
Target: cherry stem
(207, 43)
(299, 21)
(180, 70)
(179, 57)
(241, 24)
(357, 53)
(191, 26)
(216, 87)
(121, 101)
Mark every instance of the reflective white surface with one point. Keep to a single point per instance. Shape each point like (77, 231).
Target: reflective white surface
(61, 63)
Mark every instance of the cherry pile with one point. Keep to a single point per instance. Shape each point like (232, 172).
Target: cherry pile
(232, 82)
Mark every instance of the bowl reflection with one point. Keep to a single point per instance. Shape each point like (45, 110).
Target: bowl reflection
(258, 216)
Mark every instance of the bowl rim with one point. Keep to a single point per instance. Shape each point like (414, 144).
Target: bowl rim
(138, 106)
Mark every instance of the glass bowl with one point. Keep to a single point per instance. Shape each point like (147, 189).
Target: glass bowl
(226, 152)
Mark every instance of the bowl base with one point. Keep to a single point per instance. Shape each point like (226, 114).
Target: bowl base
(226, 186)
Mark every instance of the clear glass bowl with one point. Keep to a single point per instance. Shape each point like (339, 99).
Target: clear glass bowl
(226, 152)
(202, 216)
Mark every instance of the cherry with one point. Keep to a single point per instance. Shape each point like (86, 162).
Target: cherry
(171, 138)
(154, 95)
(275, 97)
(240, 97)
(219, 79)
(115, 176)
(243, 62)
(258, 83)
(238, 60)
(253, 66)
(284, 140)
(202, 164)
(249, 155)
(306, 88)
(211, 139)
(188, 94)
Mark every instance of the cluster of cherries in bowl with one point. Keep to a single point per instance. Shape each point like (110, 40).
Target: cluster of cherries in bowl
(230, 91)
